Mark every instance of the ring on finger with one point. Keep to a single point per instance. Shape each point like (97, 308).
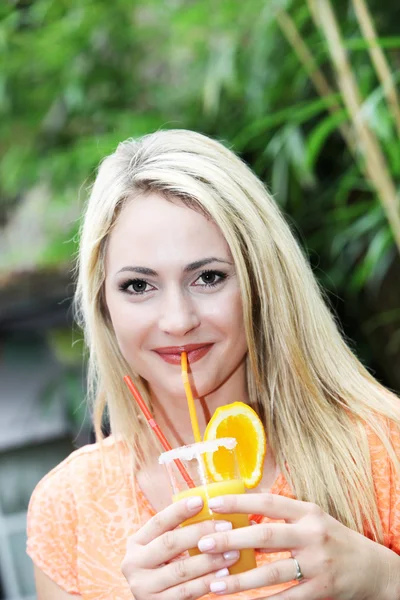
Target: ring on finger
(299, 575)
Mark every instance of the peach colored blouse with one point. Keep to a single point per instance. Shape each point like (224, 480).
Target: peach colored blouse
(80, 517)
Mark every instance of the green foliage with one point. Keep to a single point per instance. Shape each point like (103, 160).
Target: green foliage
(78, 76)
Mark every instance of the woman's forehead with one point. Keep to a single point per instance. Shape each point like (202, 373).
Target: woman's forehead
(153, 229)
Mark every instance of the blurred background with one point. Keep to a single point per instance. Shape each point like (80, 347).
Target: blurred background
(304, 90)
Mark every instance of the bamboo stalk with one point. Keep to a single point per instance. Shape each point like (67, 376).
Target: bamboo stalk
(317, 77)
(374, 160)
(312, 7)
(378, 58)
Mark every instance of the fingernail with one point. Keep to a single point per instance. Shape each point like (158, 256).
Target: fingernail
(231, 555)
(206, 544)
(222, 573)
(194, 502)
(223, 525)
(215, 502)
(218, 586)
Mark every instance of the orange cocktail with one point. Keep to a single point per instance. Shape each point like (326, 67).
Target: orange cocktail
(193, 459)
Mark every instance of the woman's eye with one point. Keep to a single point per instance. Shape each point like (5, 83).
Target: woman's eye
(135, 286)
(139, 286)
(210, 278)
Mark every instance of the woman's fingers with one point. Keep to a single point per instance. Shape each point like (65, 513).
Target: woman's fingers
(266, 536)
(168, 519)
(178, 579)
(172, 543)
(187, 569)
(281, 571)
(190, 590)
(269, 505)
(274, 573)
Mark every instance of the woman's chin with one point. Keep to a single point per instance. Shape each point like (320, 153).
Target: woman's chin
(176, 392)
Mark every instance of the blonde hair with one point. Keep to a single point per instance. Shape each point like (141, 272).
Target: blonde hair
(313, 394)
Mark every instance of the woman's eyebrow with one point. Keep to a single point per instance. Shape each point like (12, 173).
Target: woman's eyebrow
(202, 263)
(188, 269)
(141, 270)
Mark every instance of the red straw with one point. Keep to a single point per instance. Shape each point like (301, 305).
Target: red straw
(256, 518)
(135, 393)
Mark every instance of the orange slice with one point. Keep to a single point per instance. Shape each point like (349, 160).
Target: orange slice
(239, 421)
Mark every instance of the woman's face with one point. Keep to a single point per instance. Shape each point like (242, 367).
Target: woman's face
(171, 286)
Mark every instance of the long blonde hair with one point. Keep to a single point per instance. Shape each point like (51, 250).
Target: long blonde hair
(313, 394)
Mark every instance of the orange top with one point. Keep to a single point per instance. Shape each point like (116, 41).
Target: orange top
(80, 517)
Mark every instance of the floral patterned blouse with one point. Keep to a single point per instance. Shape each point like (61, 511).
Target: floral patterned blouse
(81, 514)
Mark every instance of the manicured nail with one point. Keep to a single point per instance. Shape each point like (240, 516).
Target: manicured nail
(222, 573)
(215, 502)
(194, 502)
(218, 586)
(223, 525)
(206, 544)
(231, 555)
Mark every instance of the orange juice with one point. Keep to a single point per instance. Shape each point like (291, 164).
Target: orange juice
(247, 559)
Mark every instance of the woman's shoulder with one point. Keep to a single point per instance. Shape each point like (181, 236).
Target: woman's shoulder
(385, 461)
(391, 431)
(82, 476)
(89, 461)
(79, 514)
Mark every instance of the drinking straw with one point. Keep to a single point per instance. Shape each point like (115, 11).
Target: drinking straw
(256, 518)
(135, 393)
(193, 415)
(189, 398)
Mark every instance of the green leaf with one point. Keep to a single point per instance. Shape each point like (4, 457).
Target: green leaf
(365, 224)
(345, 214)
(296, 150)
(350, 182)
(359, 43)
(373, 267)
(376, 113)
(279, 180)
(319, 135)
(293, 114)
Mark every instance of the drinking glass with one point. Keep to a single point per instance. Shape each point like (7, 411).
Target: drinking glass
(208, 483)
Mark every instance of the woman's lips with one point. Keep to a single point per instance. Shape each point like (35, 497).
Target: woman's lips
(175, 358)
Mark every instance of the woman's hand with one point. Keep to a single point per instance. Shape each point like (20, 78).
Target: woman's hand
(335, 562)
(146, 565)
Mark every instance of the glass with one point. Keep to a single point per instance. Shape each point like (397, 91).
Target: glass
(196, 460)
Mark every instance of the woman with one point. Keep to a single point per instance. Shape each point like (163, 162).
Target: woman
(182, 248)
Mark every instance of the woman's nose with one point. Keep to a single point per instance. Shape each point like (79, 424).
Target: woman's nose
(179, 314)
